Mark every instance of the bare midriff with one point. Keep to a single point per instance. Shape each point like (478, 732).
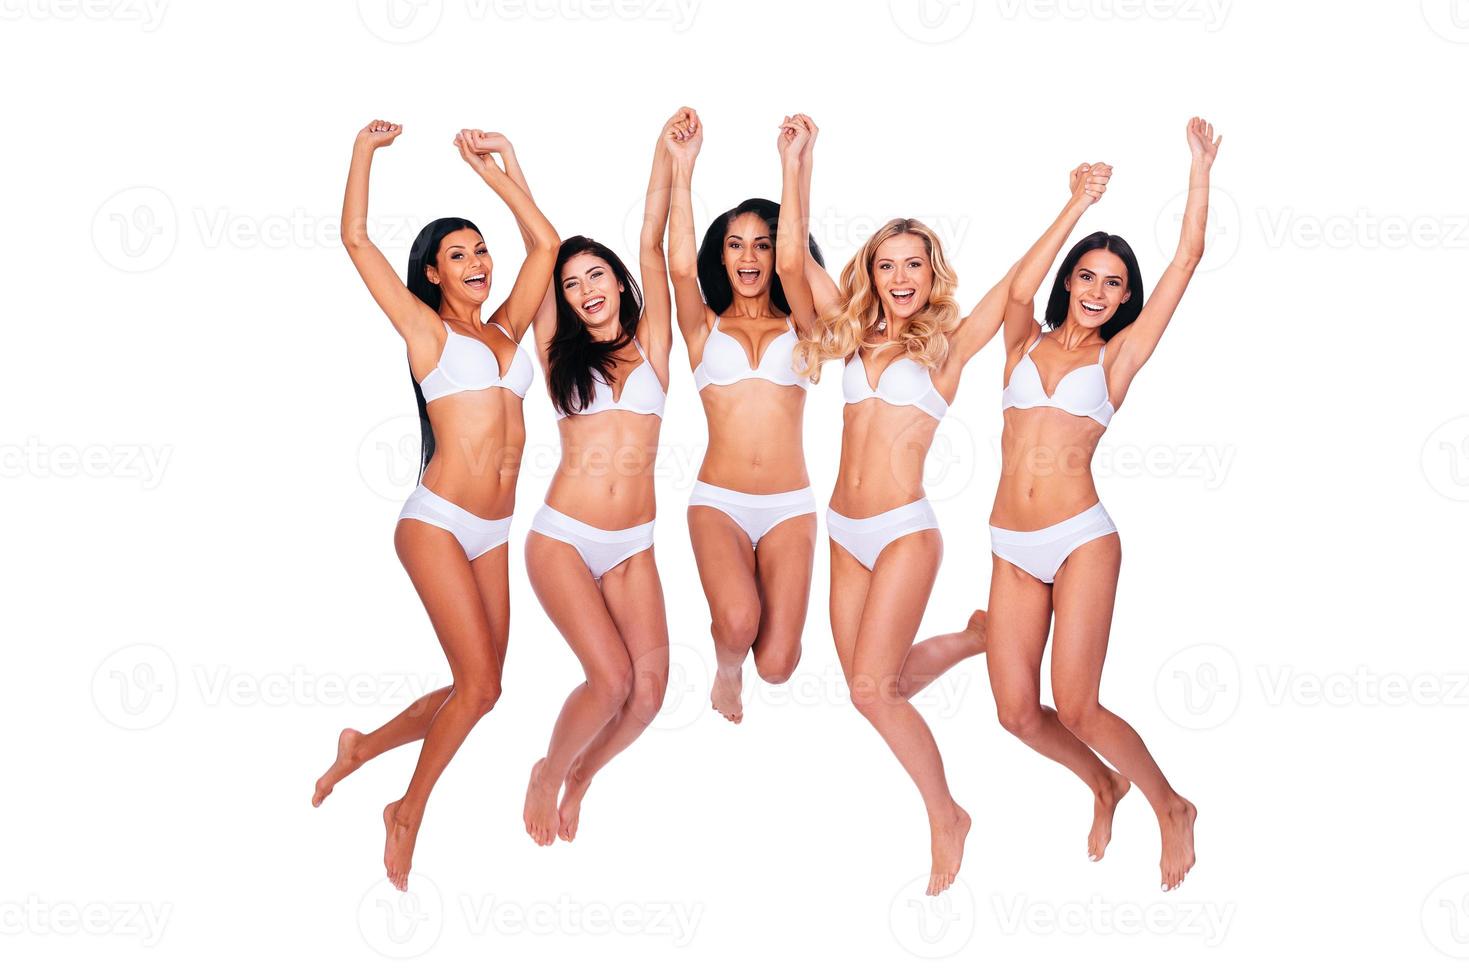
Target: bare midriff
(479, 438)
(883, 449)
(754, 437)
(1045, 468)
(605, 476)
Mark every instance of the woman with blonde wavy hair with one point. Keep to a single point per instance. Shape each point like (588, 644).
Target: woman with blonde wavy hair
(896, 306)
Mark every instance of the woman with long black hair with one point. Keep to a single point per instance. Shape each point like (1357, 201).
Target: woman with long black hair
(604, 349)
(469, 376)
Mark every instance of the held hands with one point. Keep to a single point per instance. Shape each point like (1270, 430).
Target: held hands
(683, 135)
(1088, 182)
(1201, 141)
(477, 148)
(795, 137)
(378, 133)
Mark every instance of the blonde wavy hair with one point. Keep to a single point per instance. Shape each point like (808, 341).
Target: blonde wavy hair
(924, 338)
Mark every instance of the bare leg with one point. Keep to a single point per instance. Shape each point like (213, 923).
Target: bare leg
(1019, 620)
(634, 597)
(783, 565)
(928, 659)
(1086, 588)
(450, 590)
(727, 571)
(893, 601)
(573, 602)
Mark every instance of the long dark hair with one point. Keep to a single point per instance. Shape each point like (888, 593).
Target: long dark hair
(1060, 299)
(424, 253)
(573, 357)
(714, 277)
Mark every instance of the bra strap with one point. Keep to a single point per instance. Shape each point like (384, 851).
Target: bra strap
(1102, 356)
(1037, 342)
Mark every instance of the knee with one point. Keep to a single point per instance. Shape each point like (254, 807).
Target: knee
(480, 694)
(646, 698)
(612, 686)
(1079, 716)
(735, 627)
(776, 664)
(871, 696)
(1021, 720)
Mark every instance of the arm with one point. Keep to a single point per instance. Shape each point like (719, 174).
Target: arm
(516, 313)
(683, 137)
(1130, 349)
(656, 326)
(823, 288)
(408, 315)
(1087, 184)
(790, 246)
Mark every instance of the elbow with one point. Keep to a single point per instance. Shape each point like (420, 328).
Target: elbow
(790, 261)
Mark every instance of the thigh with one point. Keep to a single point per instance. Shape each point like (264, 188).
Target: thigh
(633, 595)
(492, 578)
(1085, 592)
(902, 579)
(440, 573)
(569, 594)
(783, 563)
(726, 562)
(1016, 630)
(850, 580)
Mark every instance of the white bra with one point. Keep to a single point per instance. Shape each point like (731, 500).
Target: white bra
(1081, 391)
(725, 362)
(641, 392)
(903, 382)
(468, 364)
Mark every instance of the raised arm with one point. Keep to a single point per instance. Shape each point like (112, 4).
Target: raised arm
(1088, 181)
(823, 288)
(407, 313)
(656, 328)
(791, 236)
(516, 313)
(682, 139)
(1131, 347)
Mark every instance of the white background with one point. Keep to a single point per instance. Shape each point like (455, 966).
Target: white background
(208, 431)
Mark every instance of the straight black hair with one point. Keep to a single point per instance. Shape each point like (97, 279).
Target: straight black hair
(714, 277)
(424, 253)
(573, 357)
(1060, 299)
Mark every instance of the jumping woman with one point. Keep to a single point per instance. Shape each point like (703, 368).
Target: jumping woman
(896, 305)
(1056, 552)
(469, 376)
(752, 516)
(604, 349)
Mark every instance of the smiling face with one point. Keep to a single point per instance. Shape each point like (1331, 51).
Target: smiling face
(1098, 286)
(591, 289)
(749, 255)
(462, 267)
(902, 275)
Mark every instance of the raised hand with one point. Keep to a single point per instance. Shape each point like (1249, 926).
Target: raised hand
(1201, 141)
(792, 139)
(378, 133)
(482, 142)
(811, 133)
(472, 146)
(683, 135)
(1089, 181)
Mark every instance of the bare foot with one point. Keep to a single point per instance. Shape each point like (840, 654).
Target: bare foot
(398, 850)
(540, 807)
(1177, 825)
(977, 628)
(345, 765)
(725, 696)
(1104, 807)
(948, 849)
(570, 808)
